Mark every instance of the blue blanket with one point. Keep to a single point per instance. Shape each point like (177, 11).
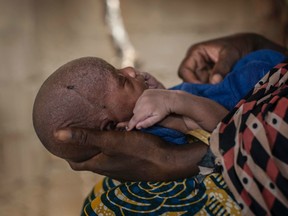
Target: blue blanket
(242, 78)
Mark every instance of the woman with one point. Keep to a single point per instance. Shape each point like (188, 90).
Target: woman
(250, 143)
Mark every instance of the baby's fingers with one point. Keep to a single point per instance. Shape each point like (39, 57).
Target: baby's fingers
(137, 120)
(133, 122)
(148, 122)
(122, 125)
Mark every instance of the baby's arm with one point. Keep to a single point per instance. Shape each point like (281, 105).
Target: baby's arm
(198, 111)
(155, 104)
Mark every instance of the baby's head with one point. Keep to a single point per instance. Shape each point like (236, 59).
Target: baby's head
(85, 93)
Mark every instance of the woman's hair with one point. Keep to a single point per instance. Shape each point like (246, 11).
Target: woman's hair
(72, 97)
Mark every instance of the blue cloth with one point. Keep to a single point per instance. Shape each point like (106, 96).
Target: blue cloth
(244, 75)
(167, 134)
(242, 78)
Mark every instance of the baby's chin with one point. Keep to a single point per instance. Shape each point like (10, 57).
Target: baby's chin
(155, 85)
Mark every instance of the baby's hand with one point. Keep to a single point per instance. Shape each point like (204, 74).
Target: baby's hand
(152, 106)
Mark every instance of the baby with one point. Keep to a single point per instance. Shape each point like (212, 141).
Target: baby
(90, 93)
(87, 93)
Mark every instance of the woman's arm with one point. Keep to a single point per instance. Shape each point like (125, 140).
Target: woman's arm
(134, 155)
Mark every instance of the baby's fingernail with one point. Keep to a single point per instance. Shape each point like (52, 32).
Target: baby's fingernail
(63, 135)
(216, 78)
(126, 128)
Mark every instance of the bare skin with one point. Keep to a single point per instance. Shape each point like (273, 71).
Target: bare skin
(133, 155)
(197, 112)
(210, 61)
(90, 94)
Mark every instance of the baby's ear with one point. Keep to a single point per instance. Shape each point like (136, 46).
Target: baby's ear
(122, 126)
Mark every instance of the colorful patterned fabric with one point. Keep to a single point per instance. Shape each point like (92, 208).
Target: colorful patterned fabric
(238, 82)
(251, 144)
(182, 197)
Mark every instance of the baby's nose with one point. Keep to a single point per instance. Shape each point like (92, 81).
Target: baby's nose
(130, 71)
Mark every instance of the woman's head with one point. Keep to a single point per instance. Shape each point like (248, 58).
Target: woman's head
(87, 93)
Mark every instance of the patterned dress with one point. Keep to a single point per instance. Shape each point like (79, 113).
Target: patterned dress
(251, 144)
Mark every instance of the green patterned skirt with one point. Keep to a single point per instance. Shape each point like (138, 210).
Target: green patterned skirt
(182, 197)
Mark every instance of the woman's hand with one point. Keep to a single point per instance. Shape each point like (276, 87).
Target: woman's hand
(210, 61)
(134, 155)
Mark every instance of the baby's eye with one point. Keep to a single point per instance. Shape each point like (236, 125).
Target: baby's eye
(110, 126)
(123, 80)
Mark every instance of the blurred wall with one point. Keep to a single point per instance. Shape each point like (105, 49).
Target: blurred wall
(37, 36)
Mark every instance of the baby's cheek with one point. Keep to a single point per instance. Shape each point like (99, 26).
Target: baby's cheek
(126, 112)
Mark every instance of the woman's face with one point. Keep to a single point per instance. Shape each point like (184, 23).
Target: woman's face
(125, 87)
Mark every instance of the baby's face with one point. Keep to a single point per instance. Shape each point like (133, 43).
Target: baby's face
(125, 87)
